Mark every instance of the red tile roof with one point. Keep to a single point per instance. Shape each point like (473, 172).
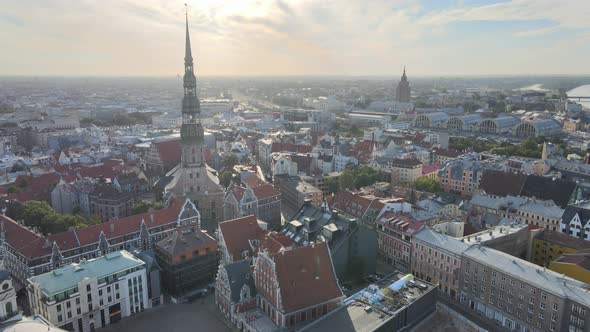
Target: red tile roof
(265, 191)
(31, 245)
(428, 169)
(306, 277)
(238, 232)
(399, 221)
(253, 181)
(362, 150)
(130, 224)
(355, 204)
(37, 187)
(170, 151)
(17, 236)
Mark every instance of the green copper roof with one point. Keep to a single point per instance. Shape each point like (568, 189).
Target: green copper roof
(69, 276)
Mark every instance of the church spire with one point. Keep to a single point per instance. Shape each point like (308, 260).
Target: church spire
(190, 102)
(188, 56)
(404, 74)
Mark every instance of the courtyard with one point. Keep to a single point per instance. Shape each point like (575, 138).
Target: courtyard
(199, 315)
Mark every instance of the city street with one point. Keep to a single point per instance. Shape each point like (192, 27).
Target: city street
(174, 318)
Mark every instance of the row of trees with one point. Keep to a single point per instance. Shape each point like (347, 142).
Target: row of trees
(142, 118)
(40, 215)
(531, 147)
(354, 178)
(145, 206)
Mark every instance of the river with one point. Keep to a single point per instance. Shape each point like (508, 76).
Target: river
(584, 91)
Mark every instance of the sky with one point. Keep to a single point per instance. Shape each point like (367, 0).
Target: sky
(297, 37)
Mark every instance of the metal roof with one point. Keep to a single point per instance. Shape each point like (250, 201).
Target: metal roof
(530, 273)
(69, 276)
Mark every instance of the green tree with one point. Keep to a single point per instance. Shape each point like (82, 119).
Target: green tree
(40, 215)
(229, 161)
(225, 178)
(23, 183)
(346, 180)
(12, 190)
(333, 185)
(145, 206)
(431, 185)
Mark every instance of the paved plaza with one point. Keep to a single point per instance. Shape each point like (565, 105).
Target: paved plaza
(201, 315)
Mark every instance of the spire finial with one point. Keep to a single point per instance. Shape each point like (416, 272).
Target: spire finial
(188, 54)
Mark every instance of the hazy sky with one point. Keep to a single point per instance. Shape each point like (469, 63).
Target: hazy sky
(298, 37)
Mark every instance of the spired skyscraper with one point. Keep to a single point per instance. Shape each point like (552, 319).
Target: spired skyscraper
(402, 93)
(192, 178)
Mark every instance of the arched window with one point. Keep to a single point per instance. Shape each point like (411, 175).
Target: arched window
(8, 308)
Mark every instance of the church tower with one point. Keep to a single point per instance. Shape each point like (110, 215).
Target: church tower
(402, 93)
(192, 178)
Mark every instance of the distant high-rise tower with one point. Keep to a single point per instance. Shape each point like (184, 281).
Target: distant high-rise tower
(402, 93)
(191, 178)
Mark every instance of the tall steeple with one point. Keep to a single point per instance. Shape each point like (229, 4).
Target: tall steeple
(402, 92)
(188, 56)
(192, 180)
(190, 102)
(191, 130)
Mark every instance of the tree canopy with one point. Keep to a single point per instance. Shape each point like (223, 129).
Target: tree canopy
(145, 206)
(225, 178)
(431, 185)
(40, 215)
(358, 177)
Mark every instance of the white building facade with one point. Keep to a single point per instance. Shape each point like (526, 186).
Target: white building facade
(92, 294)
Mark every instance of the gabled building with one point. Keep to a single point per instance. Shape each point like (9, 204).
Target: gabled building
(163, 155)
(575, 221)
(499, 183)
(254, 197)
(188, 258)
(266, 283)
(108, 203)
(27, 253)
(394, 235)
(297, 286)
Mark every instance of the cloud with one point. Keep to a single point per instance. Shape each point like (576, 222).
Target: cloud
(266, 37)
(13, 20)
(565, 14)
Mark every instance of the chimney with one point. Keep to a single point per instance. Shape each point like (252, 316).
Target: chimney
(152, 218)
(112, 227)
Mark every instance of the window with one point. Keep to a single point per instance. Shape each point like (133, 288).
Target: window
(58, 307)
(60, 318)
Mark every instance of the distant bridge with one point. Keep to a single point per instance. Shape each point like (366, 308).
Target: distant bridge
(578, 97)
